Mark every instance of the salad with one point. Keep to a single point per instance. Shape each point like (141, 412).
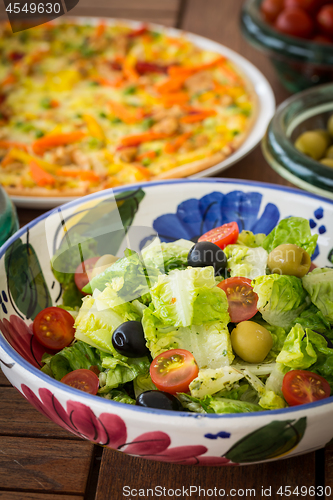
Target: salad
(236, 322)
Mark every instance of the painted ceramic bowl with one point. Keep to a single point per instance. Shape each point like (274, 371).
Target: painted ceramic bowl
(175, 209)
(307, 110)
(298, 62)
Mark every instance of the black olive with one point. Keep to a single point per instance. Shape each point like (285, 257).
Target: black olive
(160, 400)
(205, 253)
(129, 340)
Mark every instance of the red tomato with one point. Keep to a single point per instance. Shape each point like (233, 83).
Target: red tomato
(300, 387)
(82, 379)
(325, 20)
(223, 235)
(81, 277)
(173, 371)
(54, 328)
(270, 9)
(241, 298)
(322, 39)
(294, 22)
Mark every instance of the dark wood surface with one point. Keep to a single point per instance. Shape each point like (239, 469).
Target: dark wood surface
(41, 461)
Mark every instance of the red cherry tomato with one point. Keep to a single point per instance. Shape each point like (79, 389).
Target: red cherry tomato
(241, 298)
(54, 328)
(300, 387)
(81, 277)
(294, 22)
(223, 235)
(173, 371)
(325, 20)
(270, 9)
(82, 379)
(322, 39)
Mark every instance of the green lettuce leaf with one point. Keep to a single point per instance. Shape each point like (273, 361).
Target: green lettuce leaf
(210, 381)
(246, 262)
(224, 405)
(314, 319)
(297, 352)
(249, 239)
(165, 257)
(143, 383)
(281, 298)
(78, 355)
(120, 371)
(319, 285)
(294, 230)
(209, 343)
(189, 296)
(120, 396)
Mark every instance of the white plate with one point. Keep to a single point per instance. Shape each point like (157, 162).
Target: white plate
(265, 95)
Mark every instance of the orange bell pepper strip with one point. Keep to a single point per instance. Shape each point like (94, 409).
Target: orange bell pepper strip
(186, 71)
(147, 154)
(84, 175)
(8, 80)
(136, 140)
(174, 98)
(171, 85)
(143, 171)
(53, 140)
(18, 154)
(13, 144)
(125, 114)
(40, 176)
(172, 147)
(100, 30)
(197, 117)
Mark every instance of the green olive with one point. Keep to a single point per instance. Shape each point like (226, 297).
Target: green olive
(312, 143)
(325, 135)
(289, 259)
(330, 125)
(251, 342)
(327, 161)
(329, 152)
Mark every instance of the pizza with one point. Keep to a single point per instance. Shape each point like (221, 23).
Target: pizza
(85, 107)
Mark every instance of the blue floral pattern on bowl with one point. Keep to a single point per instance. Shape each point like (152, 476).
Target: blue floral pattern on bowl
(195, 217)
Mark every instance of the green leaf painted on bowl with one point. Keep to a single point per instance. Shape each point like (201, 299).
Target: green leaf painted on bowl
(271, 441)
(25, 278)
(330, 256)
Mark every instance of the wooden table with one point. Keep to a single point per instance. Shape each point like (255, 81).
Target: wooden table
(41, 461)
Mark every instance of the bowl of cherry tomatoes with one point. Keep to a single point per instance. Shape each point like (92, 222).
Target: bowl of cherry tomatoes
(297, 36)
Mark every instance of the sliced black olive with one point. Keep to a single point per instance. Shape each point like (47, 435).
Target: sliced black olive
(205, 253)
(129, 340)
(160, 400)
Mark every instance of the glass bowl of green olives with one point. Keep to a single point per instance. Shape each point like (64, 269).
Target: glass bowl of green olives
(299, 139)
(301, 55)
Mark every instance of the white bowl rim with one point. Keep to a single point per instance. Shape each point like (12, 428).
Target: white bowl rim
(109, 404)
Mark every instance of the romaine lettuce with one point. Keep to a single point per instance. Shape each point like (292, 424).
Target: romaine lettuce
(281, 298)
(319, 285)
(246, 262)
(120, 371)
(209, 343)
(294, 230)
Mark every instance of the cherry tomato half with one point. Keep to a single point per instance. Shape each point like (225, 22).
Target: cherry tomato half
(81, 277)
(294, 22)
(241, 298)
(173, 371)
(308, 5)
(223, 235)
(300, 387)
(54, 328)
(82, 379)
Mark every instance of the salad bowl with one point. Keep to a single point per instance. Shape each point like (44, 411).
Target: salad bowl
(127, 218)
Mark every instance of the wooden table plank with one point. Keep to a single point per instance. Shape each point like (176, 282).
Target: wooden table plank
(136, 473)
(14, 404)
(3, 380)
(22, 495)
(46, 465)
(329, 466)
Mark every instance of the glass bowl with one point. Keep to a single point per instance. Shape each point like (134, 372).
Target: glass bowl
(8, 217)
(307, 110)
(299, 63)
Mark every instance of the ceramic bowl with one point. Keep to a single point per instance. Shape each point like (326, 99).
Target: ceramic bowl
(175, 209)
(299, 63)
(308, 110)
